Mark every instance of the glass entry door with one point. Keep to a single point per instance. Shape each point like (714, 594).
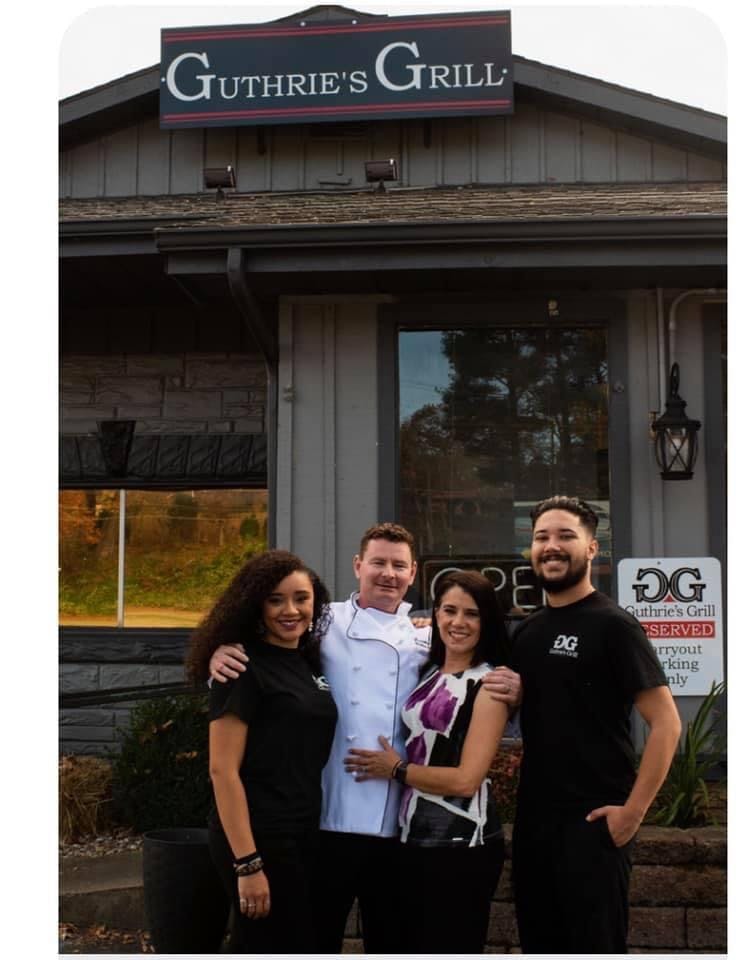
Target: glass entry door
(493, 419)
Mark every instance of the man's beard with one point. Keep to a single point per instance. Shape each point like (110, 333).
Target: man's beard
(570, 578)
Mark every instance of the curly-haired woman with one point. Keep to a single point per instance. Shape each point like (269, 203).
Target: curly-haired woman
(270, 733)
(453, 846)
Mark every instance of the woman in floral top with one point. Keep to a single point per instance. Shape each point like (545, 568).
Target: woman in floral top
(453, 841)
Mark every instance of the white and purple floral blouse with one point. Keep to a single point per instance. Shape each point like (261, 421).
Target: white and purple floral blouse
(437, 714)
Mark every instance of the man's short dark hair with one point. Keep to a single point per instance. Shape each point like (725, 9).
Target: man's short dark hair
(580, 508)
(388, 531)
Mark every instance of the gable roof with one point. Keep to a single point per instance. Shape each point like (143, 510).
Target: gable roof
(86, 115)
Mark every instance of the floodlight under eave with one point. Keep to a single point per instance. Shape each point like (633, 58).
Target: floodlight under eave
(379, 171)
(219, 178)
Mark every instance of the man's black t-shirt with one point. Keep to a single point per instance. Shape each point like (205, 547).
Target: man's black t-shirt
(291, 719)
(582, 666)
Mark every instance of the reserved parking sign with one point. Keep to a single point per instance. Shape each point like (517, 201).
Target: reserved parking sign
(678, 603)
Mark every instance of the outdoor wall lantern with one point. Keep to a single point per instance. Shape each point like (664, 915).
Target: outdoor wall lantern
(377, 171)
(219, 177)
(676, 440)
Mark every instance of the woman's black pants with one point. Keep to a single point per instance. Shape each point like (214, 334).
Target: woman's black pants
(289, 865)
(447, 894)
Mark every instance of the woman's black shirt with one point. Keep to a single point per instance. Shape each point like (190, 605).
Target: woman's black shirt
(291, 719)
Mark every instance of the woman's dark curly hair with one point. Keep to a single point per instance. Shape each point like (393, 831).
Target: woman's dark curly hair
(237, 617)
(493, 644)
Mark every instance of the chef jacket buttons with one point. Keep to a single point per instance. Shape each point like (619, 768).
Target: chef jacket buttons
(354, 703)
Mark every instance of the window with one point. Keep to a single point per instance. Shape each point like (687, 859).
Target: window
(493, 419)
(178, 553)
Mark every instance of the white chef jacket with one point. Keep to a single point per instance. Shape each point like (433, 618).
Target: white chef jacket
(371, 660)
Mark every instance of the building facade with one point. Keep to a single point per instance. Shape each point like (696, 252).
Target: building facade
(291, 360)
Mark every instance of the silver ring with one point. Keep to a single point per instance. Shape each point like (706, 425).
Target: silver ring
(251, 906)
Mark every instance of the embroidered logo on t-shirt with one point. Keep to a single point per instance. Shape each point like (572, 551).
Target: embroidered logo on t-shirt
(321, 683)
(565, 646)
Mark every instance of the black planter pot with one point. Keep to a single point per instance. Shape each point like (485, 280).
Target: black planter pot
(185, 903)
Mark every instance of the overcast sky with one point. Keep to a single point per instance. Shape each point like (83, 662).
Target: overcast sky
(674, 52)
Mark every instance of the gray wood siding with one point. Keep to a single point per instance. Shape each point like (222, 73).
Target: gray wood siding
(633, 158)
(533, 146)
(327, 430)
(492, 155)
(120, 163)
(152, 160)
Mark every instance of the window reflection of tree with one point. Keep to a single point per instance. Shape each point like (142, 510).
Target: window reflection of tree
(524, 414)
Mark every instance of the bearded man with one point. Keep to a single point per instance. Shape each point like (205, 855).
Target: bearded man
(585, 664)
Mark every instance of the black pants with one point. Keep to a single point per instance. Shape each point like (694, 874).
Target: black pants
(354, 866)
(447, 899)
(290, 864)
(570, 886)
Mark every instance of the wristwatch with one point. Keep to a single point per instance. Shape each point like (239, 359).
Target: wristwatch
(400, 771)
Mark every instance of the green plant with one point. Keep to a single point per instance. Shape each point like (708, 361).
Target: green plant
(161, 775)
(683, 800)
(250, 527)
(84, 796)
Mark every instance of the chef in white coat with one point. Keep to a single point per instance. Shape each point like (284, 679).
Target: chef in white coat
(371, 657)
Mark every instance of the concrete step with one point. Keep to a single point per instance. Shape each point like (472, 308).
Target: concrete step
(103, 890)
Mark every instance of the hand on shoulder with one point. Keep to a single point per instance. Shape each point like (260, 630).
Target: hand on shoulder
(504, 685)
(228, 662)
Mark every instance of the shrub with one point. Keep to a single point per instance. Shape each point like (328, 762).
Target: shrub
(250, 528)
(161, 775)
(504, 773)
(84, 797)
(683, 800)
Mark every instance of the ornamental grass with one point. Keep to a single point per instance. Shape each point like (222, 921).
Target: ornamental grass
(84, 797)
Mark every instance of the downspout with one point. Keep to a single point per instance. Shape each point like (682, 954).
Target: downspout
(712, 295)
(266, 341)
(661, 347)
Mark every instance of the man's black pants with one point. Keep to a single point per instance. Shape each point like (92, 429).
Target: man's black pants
(570, 885)
(355, 866)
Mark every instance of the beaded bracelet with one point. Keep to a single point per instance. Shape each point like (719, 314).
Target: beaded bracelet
(245, 866)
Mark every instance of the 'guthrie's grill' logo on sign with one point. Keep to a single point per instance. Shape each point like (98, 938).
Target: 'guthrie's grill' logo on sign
(678, 603)
(444, 65)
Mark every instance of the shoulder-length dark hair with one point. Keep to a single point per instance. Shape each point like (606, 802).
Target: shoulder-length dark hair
(237, 617)
(493, 644)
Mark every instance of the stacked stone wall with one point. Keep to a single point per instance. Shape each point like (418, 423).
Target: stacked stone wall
(677, 896)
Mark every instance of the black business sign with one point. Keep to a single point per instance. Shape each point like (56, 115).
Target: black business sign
(423, 66)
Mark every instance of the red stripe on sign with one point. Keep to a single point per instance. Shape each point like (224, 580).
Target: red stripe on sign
(350, 108)
(679, 629)
(294, 31)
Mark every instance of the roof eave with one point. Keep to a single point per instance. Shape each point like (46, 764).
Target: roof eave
(168, 237)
